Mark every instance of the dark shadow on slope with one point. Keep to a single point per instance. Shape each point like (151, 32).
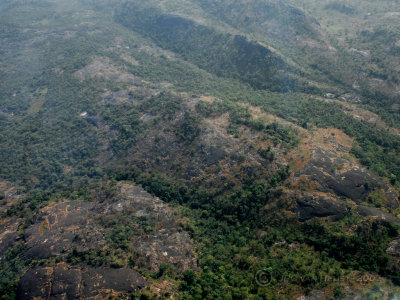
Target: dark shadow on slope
(225, 55)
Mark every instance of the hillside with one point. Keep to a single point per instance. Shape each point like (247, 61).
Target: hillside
(186, 149)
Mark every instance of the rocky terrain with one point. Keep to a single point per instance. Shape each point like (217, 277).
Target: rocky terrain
(338, 176)
(66, 282)
(69, 228)
(187, 149)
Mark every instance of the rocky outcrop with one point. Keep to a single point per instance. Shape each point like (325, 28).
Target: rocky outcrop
(310, 206)
(167, 243)
(66, 282)
(377, 214)
(61, 227)
(331, 177)
(338, 176)
(74, 225)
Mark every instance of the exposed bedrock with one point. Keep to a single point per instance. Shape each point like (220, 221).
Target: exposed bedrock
(310, 206)
(338, 176)
(74, 226)
(66, 282)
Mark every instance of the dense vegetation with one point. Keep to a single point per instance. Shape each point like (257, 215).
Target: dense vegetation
(62, 139)
(233, 253)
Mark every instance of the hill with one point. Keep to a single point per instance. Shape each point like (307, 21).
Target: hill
(189, 149)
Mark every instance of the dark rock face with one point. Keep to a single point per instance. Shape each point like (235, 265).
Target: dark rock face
(65, 282)
(377, 214)
(352, 181)
(310, 206)
(334, 175)
(61, 227)
(315, 206)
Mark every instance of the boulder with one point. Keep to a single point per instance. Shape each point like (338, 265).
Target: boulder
(377, 214)
(310, 206)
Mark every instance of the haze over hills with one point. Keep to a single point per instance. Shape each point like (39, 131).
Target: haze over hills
(195, 149)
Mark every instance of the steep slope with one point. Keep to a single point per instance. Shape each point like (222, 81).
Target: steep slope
(193, 149)
(206, 48)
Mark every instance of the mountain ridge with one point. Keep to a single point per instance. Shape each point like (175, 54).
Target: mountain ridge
(246, 160)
